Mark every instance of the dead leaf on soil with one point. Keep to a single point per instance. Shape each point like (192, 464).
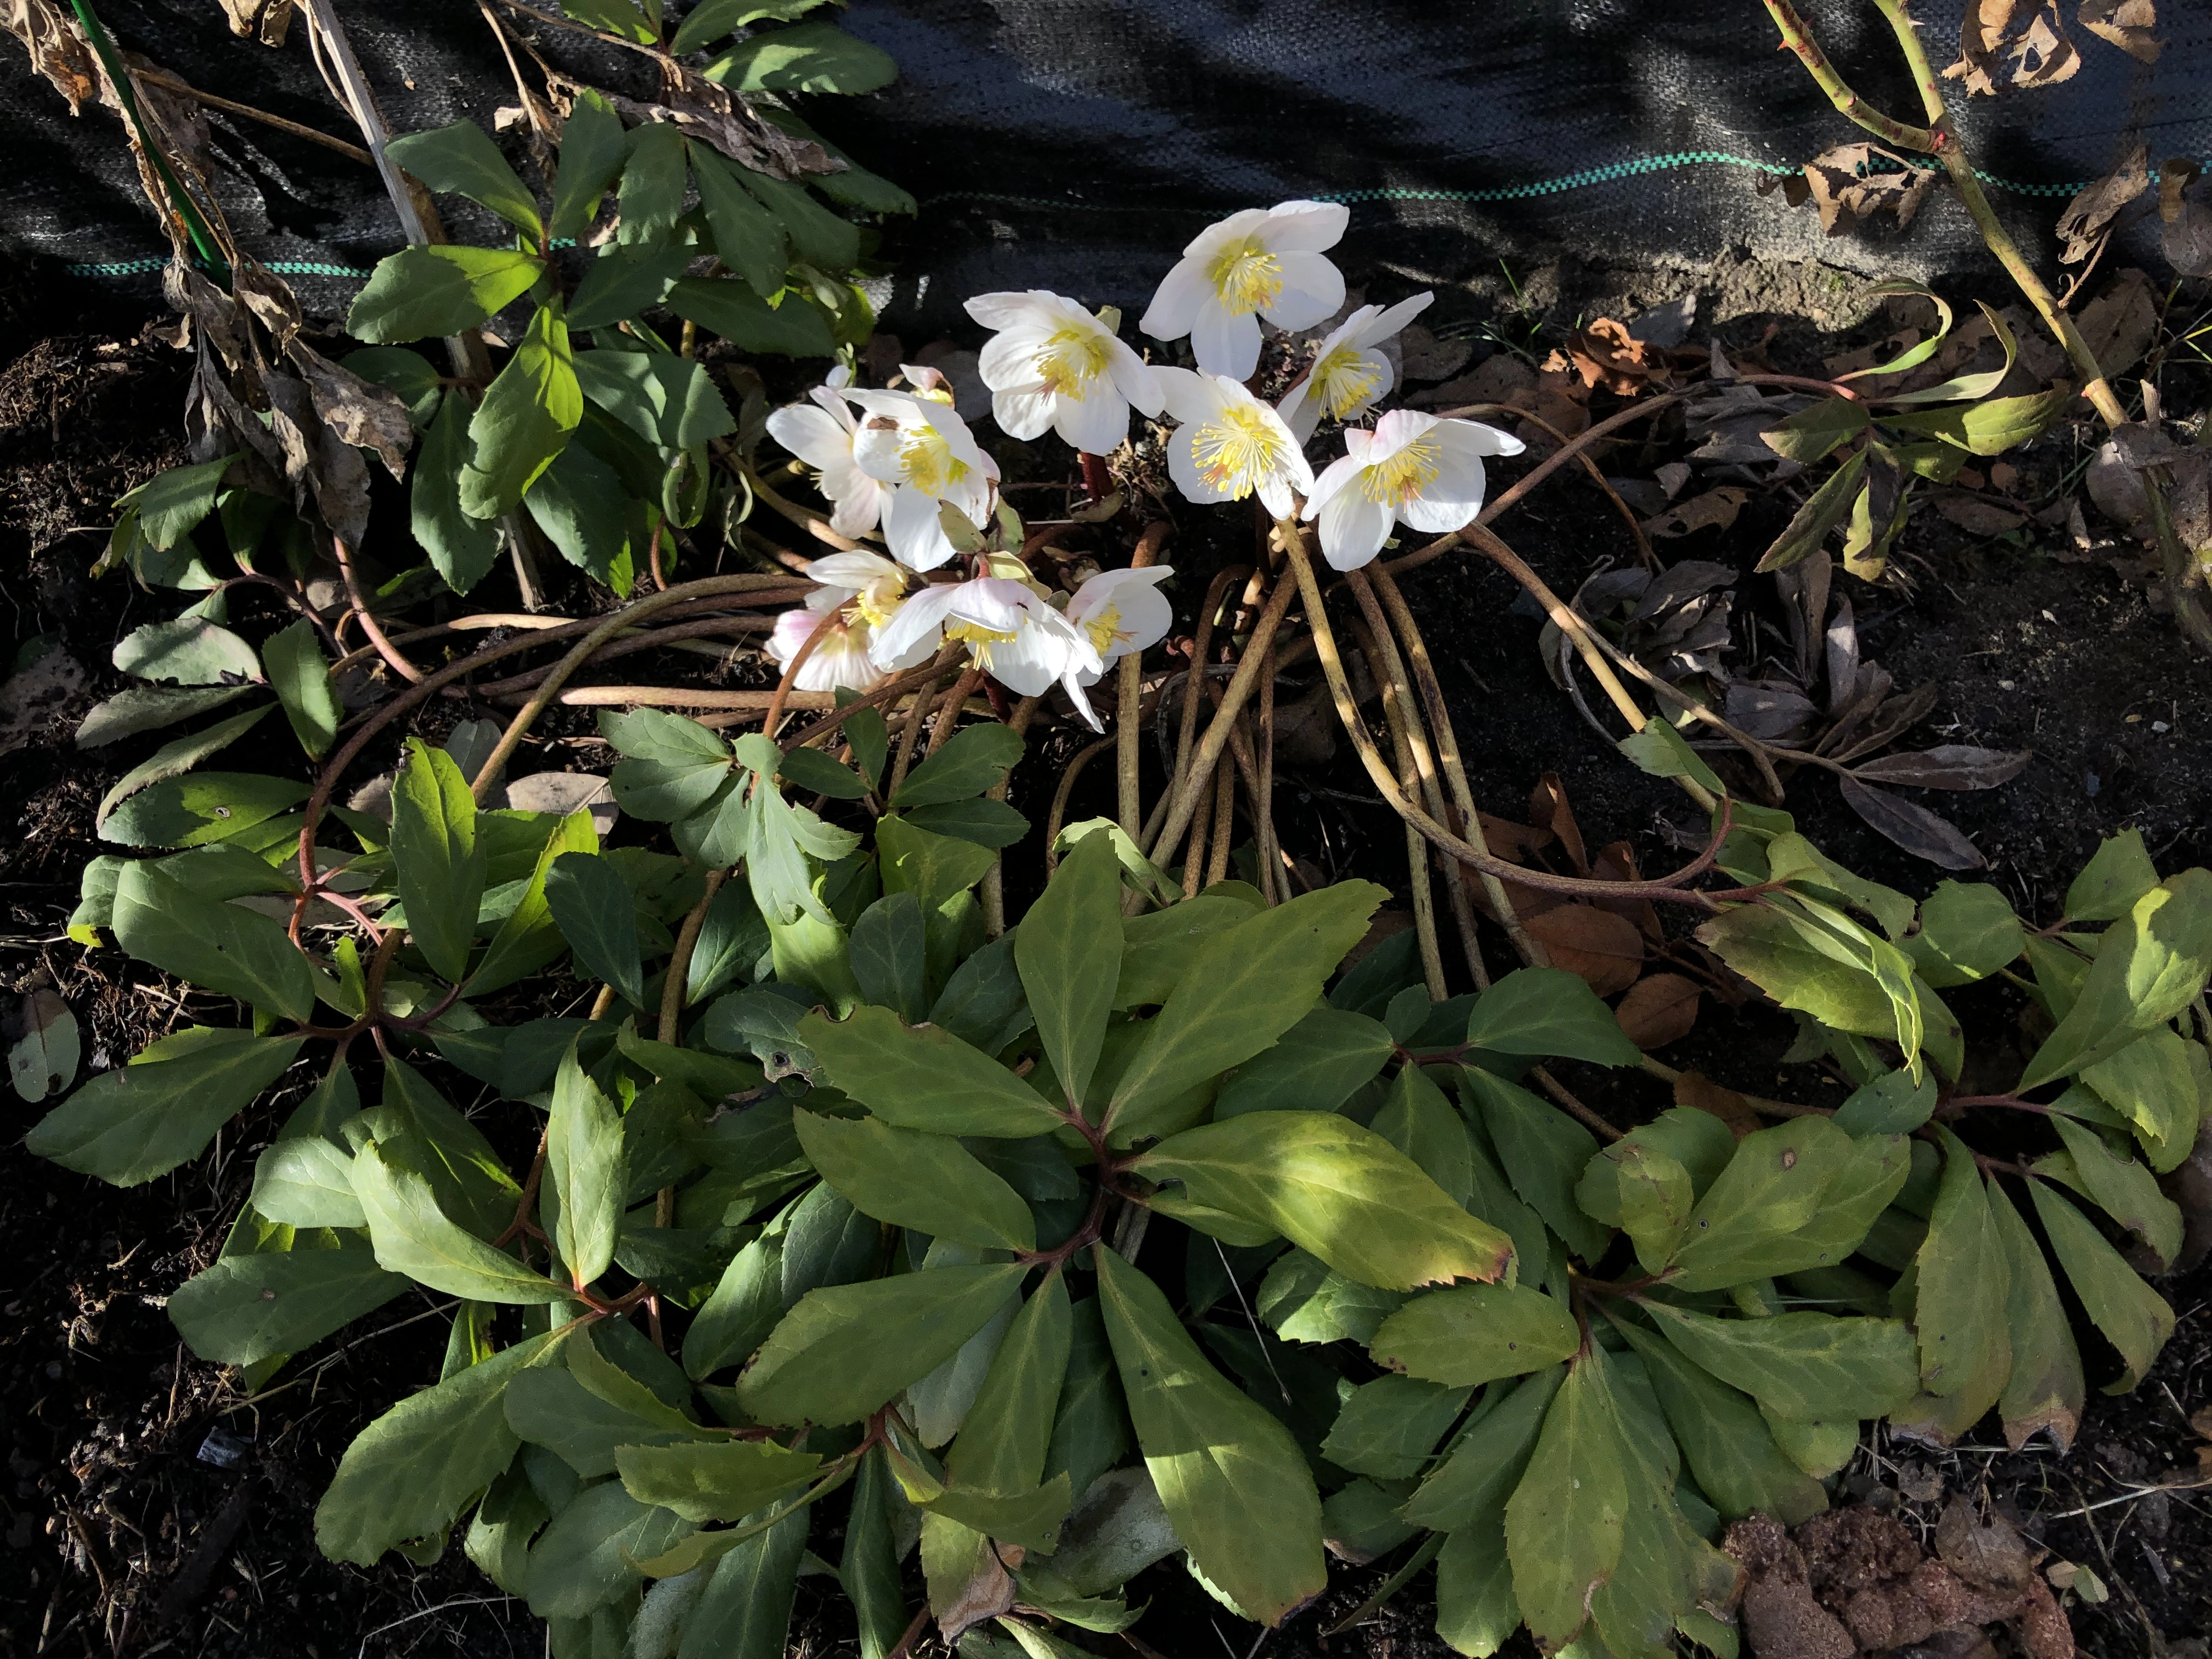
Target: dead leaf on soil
(1949, 766)
(1495, 379)
(1912, 827)
(1768, 710)
(1606, 354)
(1701, 1093)
(1603, 949)
(32, 698)
(44, 1046)
(2013, 43)
(1659, 1009)
(265, 21)
(1558, 399)
(1847, 190)
(2119, 324)
(2127, 24)
(1714, 510)
(1548, 810)
(1978, 515)
(2091, 213)
(2185, 234)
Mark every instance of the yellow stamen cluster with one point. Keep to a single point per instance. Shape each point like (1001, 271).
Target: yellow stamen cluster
(1104, 629)
(927, 460)
(1070, 359)
(978, 639)
(1402, 477)
(875, 603)
(1345, 381)
(1235, 450)
(1246, 274)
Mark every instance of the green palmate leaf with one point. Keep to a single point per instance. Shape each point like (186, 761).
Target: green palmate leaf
(745, 1612)
(1003, 1445)
(591, 904)
(584, 1161)
(790, 327)
(1338, 1190)
(188, 650)
(925, 1078)
(549, 1407)
(732, 940)
(673, 767)
(890, 957)
(500, 1531)
(929, 1183)
(2133, 1317)
(461, 548)
(592, 149)
(983, 821)
(526, 417)
(1967, 932)
(1696, 1142)
(667, 400)
(1545, 1153)
(1802, 1194)
(302, 674)
(1564, 1522)
(1805, 967)
(2113, 881)
(422, 292)
(462, 158)
(2159, 1084)
(1421, 1123)
(2151, 965)
(1730, 1448)
(179, 756)
(1232, 1480)
(1800, 1366)
(1090, 1431)
(412, 1235)
(1313, 1067)
(306, 1181)
(159, 918)
(413, 1470)
(746, 234)
(245, 1308)
(2124, 1189)
(140, 1121)
(470, 1184)
(1655, 1198)
(440, 868)
(844, 1351)
(1486, 1459)
(581, 1562)
(578, 502)
(808, 56)
(530, 938)
(718, 1481)
(974, 760)
(1660, 750)
(1244, 988)
(200, 809)
(1030, 1519)
(1474, 1334)
(1068, 952)
(2045, 1389)
(1548, 1010)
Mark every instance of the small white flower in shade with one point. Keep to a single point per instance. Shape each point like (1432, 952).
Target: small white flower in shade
(1123, 611)
(1263, 262)
(1350, 375)
(863, 590)
(926, 453)
(1230, 445)
(822, 438)
(1053, 365)
(1413, 470)
(1011, 631)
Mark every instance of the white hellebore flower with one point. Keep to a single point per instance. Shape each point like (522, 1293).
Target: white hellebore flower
(822, 438)
(1229, 443)
(1349, 376)
(1263, 262)
(863, 590)
(1414, 469)
(1010, 629)
(1122, 611)
(1052, 364)
(925, 452)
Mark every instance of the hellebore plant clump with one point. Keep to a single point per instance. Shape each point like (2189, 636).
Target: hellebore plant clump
(831, 1218)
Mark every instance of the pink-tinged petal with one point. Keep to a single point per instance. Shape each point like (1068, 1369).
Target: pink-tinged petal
(841, 660)
(852, 571)
(1474, 438)
(1183, 467)
(1340, 475)
(1137, 380)
(811, 434)
(1095, 425)
(861, 509)
(916, 538)
(1313, 289)
(1174, 309)
(832, 400)
(1305, 226)
(1024, 413)
(1226, 345)
(793, 630)
(1353, 530)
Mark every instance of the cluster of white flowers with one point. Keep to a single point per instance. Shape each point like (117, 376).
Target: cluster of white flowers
(903, 465)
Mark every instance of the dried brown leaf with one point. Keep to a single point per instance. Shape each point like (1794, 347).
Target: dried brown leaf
(1714, 510)
(1949, 766)
(1767, 711)
(1659, 1009)
(2013, 43)
(1606, 354)
(1846, 190)
(1602, 948)
(2091, 213)
(1548, 810)
(364, 414)
(264, 20)
(1986, 1552)
(2126, 23)
(57, 50)
(1978, 515)
(1700, 1093)
(1915, 829)
(2119, 324)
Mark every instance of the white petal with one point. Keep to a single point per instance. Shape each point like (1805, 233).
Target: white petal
(852, 571)
(861, 508)
(1095, 425)
(1312, 290)
(1174, 308)
(1183, 467)
(1274, 493)
(1137, 381)
(1299, 411)
(1189, 397)
(916, 539)
(1224, 344)
(841, 660)
(1434, 514)
(1007, 361)
(813, 434)
(1397, 430)
(1024, 413)
(1217, 235)
(1305, 226)
(913, 632)
(1459, 477)
(1473, 437)
(1340, 475)
(1009, 310)
(876, 449)
(1353, 530)
(1384, 324)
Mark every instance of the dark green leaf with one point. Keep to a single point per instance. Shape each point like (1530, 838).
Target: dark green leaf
(218, 946)
(745, 1612)
(1823, 511)
(302, 676)
(177, 757)
(667, 400)
(1544, 1151)
(672, 767)
(1893, 1104)
(928, 1183)
(139, 1120)
(746, 234)
(581, 1560)
(188, 650)
(592, 149)
(1390, 1427)
(717, 1481)
(2124, 1189)
(1476, 1612)
(1303, 1299)
(2133, 1317)
(461, 548)
(1662, 751)
(1313, 1067)
(425, 291)
(585, 1164)
(1090, 1431)
(531, 938)
(1564, 1520)
(171, 504)
(743, 1309)
(1800, 1194)
(2159, 1084)
(1548, 1010)
(410, 374)
(808, 56)
(462, 158)
(305, 1181)
(732, 938)
(593, 906)
(526, 417)
(790, 328)
(2045, 1389)
(249, 1308)
(199, 809)
(924, 1078)
(440, 868)
(889, 955)
(2150, 965)
(653, 180)
(1967, 932)
(1475, 1333)
(713, 19)
(1486, 1459)
(1812, 433)
(413, 1237)
(1068, 952)
(148, 709)
(1800, 1366)
(2113, 880)
(985, 822)
(1730, 1448)
(974, 760)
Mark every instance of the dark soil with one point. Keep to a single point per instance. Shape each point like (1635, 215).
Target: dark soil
(154, 1507)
